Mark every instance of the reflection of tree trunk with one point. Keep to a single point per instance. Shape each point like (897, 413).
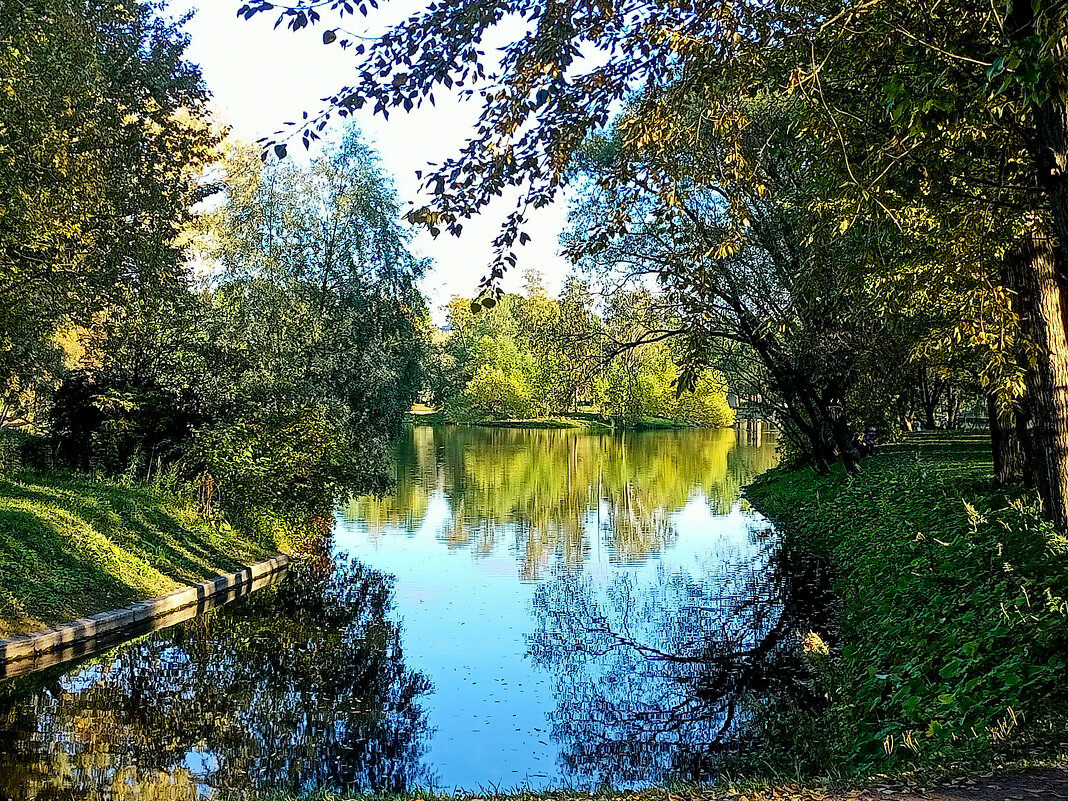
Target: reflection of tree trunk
(1034, 267)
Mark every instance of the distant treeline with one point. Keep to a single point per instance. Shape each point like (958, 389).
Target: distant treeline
(532, 355)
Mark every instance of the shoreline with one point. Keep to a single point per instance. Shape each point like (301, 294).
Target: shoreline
(947, 660)
(29, 653)
(580, 421)
(73, 545)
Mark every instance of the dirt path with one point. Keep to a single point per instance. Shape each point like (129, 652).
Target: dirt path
(1047, 783)
(1050, 783)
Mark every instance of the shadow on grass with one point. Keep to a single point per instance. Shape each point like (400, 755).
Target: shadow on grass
(71, 546)
(43, 578)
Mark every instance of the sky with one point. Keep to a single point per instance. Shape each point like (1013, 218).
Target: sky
(261, 77)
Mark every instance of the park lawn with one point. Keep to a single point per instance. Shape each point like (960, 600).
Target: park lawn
(953, 624)
(73, 545)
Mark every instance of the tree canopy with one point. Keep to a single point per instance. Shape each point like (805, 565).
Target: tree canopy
(860, 163)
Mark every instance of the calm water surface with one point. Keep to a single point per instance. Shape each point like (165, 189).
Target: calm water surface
(529, 609)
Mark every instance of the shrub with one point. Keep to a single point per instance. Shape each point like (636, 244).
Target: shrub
(293, 462)
(114, 424)
(495, 393)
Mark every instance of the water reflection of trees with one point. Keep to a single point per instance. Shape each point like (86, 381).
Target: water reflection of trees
(560, 486)
(295, 689)
(652, 681)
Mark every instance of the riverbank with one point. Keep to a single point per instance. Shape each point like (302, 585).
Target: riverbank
(72, 545)
(568, 421)
(953, 628)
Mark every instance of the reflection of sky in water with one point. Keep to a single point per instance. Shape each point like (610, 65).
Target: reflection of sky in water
(466, 603)
(297, 688)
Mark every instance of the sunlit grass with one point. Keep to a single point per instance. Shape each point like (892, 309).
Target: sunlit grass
(72, 545)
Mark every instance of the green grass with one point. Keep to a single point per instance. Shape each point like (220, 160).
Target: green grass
(72, 545)
(954, 620)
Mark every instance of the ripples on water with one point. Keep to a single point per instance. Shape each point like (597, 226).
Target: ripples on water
(569, 609)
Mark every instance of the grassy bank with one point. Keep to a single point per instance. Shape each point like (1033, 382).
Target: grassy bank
(72, 545)
(954, 620)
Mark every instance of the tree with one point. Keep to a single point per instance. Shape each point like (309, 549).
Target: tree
(807, 310)
(317, 329)
(278, 382)
(912, 104)
(532, 355)
(103, 132)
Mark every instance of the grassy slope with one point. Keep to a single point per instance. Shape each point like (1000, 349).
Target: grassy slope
(954, 619)
(71, 545)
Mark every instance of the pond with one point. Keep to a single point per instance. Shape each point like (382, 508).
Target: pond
(529, 609)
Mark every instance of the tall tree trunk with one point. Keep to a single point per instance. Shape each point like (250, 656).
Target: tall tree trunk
(1036, 273)
(1008, 456)
(1050, 148)
(952, 407)
(1028, 19)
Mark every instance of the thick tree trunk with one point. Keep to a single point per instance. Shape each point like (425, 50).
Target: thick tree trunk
(843, 437)
(1026, 20)
(1008, 455)
(1050, 147)
(930, 393)
(1036, 272)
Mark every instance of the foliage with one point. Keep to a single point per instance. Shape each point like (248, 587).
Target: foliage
(110, 424)
(921, 141)
(103, 132)
(807, 325)
(954, 623)
(904, 99)
(280, 380)
(532, 355)
(296, 462)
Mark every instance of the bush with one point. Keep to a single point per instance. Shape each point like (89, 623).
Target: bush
(495, 393)
(110, 423)
(294, 463)
(706, 405)
(12, 444)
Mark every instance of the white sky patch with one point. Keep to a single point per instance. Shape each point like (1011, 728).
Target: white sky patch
(262, 77)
